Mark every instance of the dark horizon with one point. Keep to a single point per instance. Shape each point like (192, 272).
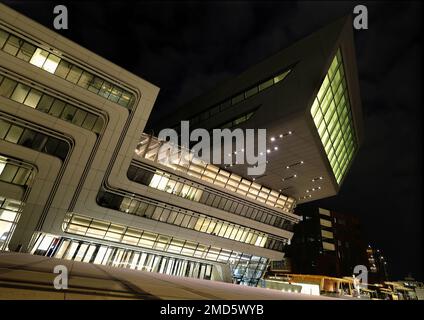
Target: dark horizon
(188, 48)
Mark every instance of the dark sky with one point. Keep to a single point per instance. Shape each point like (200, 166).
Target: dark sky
(188, 48)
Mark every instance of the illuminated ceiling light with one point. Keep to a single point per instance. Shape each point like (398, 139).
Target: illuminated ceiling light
(307, 191)
(272, 139)
(261, 153)
(254, 179)
(279, 190)
(287, 167)
(229, 154)
(319, 188)
(280, 135)
(242, 150)
(290, 132)
(320, 178)
(275, 148)
(301, 162)
(268, 150)
(235, 152)
(295, 176)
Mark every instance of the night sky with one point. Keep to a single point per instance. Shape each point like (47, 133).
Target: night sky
(188, 48)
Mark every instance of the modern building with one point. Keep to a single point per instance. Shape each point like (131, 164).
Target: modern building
(81, 181)
(326, 243)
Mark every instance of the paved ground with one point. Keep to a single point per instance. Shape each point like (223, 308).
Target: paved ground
(25, 276)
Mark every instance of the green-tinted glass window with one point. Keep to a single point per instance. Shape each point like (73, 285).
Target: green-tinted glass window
(336, 131)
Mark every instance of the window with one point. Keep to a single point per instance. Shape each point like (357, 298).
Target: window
(57, 108)
(21, 176)
(105, 89)
(95, 85)
(266, 84)
(26, 52)
(14, 134)
(79, 117)
(7, 87)
(12, 45)
(51, 63)
(68, 113)
(33, 98)
(62, 69)
(39, 57)
(20, 93)
(45, 103)
(8, 173)
(27, 138)
(85, 80)
(237, 99)
(74, 74)
(89, 121)
(4, 127)
(3, 37)
(251, 92)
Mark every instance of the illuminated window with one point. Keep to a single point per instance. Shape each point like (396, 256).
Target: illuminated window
(332, 116)
(51, 63)
(39, 57)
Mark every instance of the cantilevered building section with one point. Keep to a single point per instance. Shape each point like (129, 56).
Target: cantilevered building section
(307, 97)
(79, 179)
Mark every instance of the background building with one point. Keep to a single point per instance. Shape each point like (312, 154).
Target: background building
(326, 243)
(377, 266)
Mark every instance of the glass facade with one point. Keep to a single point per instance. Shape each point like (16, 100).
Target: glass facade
(149, 147)
(188, 189)
(14, 172)
(18, 134)
(236, 99)
(247, 269)
(190, 220)
(332, 116)
(46, 103)
(85, 251)
(64, 69)
(10, 211)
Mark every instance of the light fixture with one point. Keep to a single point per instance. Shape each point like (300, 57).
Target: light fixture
(290, 132)
(280, 135)
(275, 148)
(268, 150)
(272, 139)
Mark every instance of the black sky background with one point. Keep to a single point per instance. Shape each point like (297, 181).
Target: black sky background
(188, 48)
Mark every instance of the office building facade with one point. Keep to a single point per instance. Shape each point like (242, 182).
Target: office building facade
(326, 242)
(81, 181)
